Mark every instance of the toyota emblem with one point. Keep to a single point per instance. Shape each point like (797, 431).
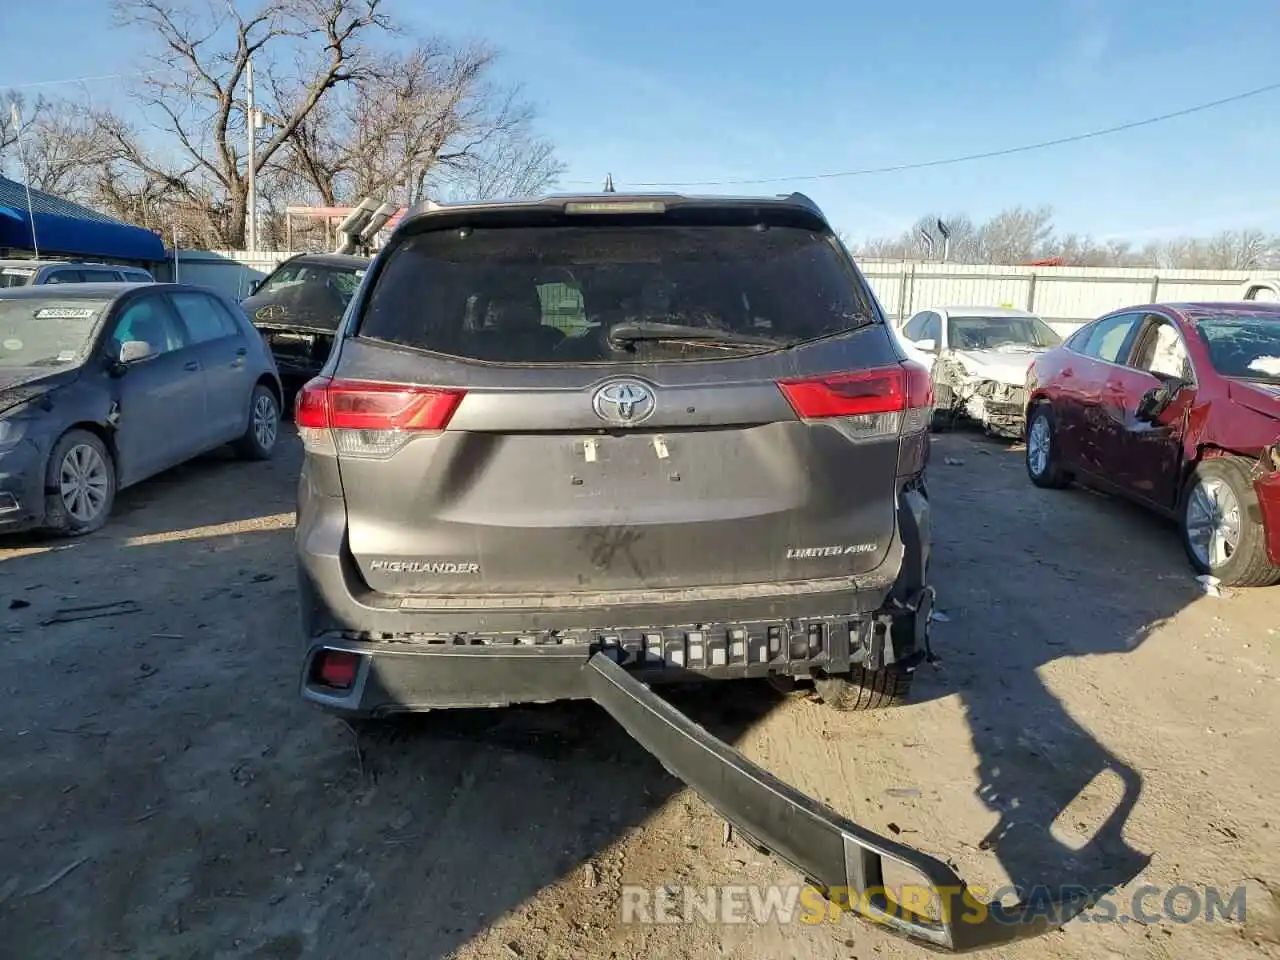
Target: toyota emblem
(624, 402)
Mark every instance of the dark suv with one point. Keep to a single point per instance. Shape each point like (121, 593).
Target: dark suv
(673, 429)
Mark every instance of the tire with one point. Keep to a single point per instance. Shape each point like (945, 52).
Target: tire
(262, 435)
(861, 689)
(1044, 472)
(1213, 486)
(79, 454)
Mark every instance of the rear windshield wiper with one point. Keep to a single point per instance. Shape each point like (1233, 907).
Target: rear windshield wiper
(652, 331)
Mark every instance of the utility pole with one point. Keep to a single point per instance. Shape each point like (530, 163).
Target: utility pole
(252, 125)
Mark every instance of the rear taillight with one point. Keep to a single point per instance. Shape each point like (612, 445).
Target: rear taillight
(361, 419)
(870, 404)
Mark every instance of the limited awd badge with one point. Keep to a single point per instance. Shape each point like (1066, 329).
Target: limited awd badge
(808, 553)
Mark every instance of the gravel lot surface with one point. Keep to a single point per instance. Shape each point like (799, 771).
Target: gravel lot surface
(1093, 717)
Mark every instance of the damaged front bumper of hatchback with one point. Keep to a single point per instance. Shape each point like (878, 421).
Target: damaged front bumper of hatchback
(837, 856)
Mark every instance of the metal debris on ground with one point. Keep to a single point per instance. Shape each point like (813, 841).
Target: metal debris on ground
(590, 876)
(953, 461)
(939, 616)
(1210, 584)
(92, 612)
(57, 877)
(903, 793)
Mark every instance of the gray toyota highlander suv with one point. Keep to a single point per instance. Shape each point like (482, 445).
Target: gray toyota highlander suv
(580, 446)
(675, 430)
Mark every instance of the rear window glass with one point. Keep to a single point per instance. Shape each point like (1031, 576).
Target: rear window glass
(590, 294)
(15, 277)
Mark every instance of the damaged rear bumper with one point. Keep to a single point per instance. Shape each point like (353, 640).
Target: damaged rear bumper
(840, 858)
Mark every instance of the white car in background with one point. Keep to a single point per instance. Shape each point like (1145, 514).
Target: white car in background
(979, 357)
(1261, 288)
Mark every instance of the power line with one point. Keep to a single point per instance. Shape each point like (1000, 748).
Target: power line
(966, 158)
(54, 83)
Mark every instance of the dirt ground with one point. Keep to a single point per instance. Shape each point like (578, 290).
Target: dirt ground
(163, 793)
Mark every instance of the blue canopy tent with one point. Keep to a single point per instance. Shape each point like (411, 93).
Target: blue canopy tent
(66, 229)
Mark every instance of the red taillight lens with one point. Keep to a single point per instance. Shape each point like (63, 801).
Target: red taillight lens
(357, 405)
(337, 668)
(919, 385)
(878, 390)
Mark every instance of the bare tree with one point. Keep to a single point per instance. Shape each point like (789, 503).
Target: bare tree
(1016, 235)
(1240, 250)
(13, 103)
(1022, 234)
(428, 120)
(64, 151)
(192, 91)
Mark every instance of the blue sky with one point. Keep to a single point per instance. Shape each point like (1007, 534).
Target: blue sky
(711, 90)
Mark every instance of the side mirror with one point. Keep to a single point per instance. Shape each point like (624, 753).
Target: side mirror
(1154, 402)
(135, 351)
(928, 346)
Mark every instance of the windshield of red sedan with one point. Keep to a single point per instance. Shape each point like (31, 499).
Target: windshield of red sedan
(1243, 345)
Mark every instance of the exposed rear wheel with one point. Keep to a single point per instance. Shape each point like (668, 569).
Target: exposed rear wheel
(259, 440)
(864, 689)
(1221, 531)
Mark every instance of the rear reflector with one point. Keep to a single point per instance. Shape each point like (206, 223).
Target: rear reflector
(336, 668)
(361, 418)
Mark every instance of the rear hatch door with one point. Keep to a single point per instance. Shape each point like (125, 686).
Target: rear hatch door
(558, 404)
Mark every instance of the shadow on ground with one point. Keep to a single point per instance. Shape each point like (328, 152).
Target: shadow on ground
(1026, 577)
(221, 817)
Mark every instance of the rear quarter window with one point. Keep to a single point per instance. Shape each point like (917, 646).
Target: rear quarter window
(553, 294)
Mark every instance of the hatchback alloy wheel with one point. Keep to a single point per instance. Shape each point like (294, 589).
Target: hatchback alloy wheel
(266, 421)
(84, 483)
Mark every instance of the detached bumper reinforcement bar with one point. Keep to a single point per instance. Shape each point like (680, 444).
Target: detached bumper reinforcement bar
(837, 856)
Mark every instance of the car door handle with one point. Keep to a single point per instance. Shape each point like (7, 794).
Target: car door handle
(191, 365)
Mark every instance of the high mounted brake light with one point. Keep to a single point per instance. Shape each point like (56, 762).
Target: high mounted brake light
(363, 419)
(872, 403)
(615, 206)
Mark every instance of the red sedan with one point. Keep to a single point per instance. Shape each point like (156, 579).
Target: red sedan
(1176, 406)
